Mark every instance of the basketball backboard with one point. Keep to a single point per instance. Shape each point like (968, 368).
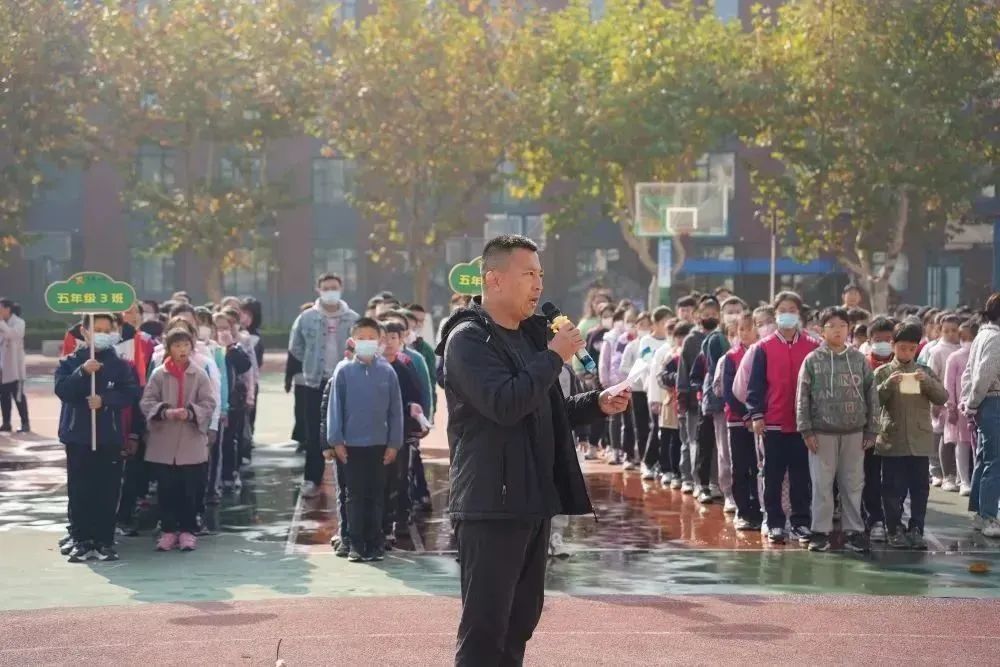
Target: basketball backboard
(699, 209)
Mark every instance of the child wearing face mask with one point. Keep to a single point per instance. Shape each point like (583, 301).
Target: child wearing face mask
(948, 344)
(94, 474)
(637, 419)
(224, 476)
(610, 374)
(956, 427)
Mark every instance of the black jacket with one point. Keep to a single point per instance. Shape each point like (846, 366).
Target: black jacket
(116, 384)
(492, 410)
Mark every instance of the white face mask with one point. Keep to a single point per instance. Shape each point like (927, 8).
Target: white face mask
(329, 297)
(882, 350)
(104, 341)
(788, 320)
(204, 333)
(366, 349)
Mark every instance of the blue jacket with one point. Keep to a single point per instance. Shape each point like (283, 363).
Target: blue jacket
(118, 387)
(366, 407)
(307, 342)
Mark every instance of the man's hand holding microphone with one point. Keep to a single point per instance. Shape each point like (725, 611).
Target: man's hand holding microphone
(566, 342)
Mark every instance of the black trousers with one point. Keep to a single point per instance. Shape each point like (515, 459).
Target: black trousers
(744, 458)
(342, 530)
(299, 428)
(365, 497)
(397, 489)
(135, 484)
(503, 588)
(902, 475)
(706, 451)
(178, 491)
(13, 392)
(871, 495)
(418, 488)
(786, 453)
(640, 426)
(230, 444)
(94, 482)
(314, 438)
(670, 450)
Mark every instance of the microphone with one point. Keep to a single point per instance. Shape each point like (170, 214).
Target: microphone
(557, 319)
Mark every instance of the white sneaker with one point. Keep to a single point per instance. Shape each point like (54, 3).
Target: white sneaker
(629, 465)
(705, 498)
(729, 507)
(237, 482)
(687, 487)
(877, 532)
(676, 484)
(936, 481)
(715, 492)
(591, 454)
(309, 490)
(666, 479)
(992, 528)
(557, 548)
(949, 485)
(978, 523)
(965, 490)
(648, 474)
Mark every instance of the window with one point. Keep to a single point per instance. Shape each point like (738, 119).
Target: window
(727, 10)
(151, 276)
(341, 261)
(331, 180)
(944, 286)
(156, 165)
(250, 276)
(236, 172)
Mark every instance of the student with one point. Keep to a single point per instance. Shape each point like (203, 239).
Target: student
(981, 401)
(150, 316)
(598, 430)
(649, 347)
(365, 432)
(294, 378)
(854, 296)
(686, 308)
(837, 414)
(859, 338)
(906, 439)
(948, 344)
(694, 363)
(637, 418)
(763, 319)
(94, 476)
(670, 438)
(880, 353)
(742, 448)
(416, 342)
(224, 474)
(13, 370)
(317, 341)
(689, 378)
(621, 334)
(178, 404)
(956, 428)
(715, 347)
(771, 405)
(880, 334)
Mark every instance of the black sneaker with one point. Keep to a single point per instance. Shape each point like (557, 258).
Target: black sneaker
(776, 536)
(106, 554)
(819, 542)
(81, 552)
(343, 549)
(897, 540)
(6, 428)
(376, 555)
(916, 539)
(857, 543)
(355, 556)
(25, 428)
(802, 534)
(67, 548)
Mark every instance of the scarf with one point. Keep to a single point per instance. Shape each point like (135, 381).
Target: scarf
(178, 373)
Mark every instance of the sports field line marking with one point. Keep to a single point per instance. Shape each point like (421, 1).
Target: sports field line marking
(729, 632)
(695, 550)
(291, 543)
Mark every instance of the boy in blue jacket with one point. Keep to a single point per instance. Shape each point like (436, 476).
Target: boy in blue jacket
(365, 432)
(94, 476)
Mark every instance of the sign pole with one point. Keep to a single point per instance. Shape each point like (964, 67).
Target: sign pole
(774, 255)
(93, 387)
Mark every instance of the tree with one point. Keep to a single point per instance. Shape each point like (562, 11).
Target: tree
(638, 95)
(43, 95)
(879, 114)
(418, 98)
(216, 83)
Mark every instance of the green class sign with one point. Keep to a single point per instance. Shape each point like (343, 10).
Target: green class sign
(467, 278)
(89, 292)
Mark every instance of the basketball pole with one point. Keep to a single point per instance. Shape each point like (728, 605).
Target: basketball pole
(774, 254)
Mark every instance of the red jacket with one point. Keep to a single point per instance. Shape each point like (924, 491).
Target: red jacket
(774, 380)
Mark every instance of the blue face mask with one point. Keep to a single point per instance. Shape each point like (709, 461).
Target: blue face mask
(366, 349)
(104, 341)
(788, 320)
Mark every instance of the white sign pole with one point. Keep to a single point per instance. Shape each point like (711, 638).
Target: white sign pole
(93, 389)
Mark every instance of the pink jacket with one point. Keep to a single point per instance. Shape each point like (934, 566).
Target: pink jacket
(938, 362)
(956, 427)
(742, 380)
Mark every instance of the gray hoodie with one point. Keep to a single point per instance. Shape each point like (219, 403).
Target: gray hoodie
(836, 393)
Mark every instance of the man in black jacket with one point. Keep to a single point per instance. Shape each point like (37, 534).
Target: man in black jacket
(514, 464)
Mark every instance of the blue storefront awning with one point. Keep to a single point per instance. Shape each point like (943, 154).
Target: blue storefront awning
(755, 266)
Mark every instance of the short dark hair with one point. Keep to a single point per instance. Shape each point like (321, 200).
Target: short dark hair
(619, 315)
(971, 324)
(154, 304)
(374, 302)
(788, 296)
(683, 330)
(408, 314)
(7, 303)
(687, 302)
(181, 309)
(416, 308)
(708, 300)
(734, 301)
(834, 314)
(881, 324)
(720, 289)
(85, 322)
(323, 277)
(951, 318)
(176, 335)
(858, 315)
(908, 333)
(607, 310)
(861, 330)
(366, 323)
(395, 328)
(499, 249)
(991, 311)
(644, 315)
(764, 310)
(853, 287)
(662, 313)
(178, 323)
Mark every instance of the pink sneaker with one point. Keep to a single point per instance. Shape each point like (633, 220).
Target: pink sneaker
(167, 542)
(188, 542)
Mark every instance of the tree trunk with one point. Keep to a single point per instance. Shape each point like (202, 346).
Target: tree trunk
(862, 266)
(213, 280)
(878, 289)
(421, 280)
